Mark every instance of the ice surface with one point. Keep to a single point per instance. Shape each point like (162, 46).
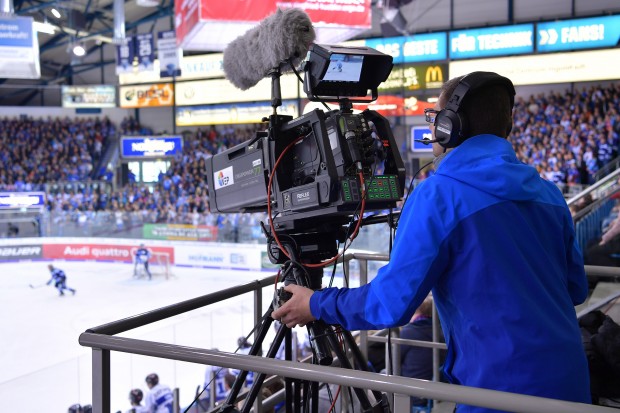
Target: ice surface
(39, 351)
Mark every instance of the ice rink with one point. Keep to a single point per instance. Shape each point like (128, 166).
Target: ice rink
(43, 367)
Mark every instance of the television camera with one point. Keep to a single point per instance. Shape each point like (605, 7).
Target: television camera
(313, 172)
(314, 176)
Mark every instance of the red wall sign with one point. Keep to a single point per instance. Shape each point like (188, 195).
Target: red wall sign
(103, 252)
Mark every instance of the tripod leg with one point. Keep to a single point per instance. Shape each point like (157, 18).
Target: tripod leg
(314, 389)
(344, 362)
(229, 404)
(360, 360)
(288, 382)
(260, 378)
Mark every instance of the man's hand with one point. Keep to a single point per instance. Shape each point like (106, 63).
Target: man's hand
(297, 309)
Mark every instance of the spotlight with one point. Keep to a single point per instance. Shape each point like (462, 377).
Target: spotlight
(79, 50)
(56, 13)
(44, 27)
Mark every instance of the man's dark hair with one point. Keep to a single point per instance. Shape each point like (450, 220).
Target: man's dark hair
(486, 110)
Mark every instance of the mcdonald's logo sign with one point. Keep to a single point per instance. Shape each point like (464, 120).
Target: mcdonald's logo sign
(434, 77)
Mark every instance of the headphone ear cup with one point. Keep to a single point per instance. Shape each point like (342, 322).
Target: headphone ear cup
(448, 128)
(443, 126)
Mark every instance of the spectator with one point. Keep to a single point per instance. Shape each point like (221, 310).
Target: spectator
(417, 362)
(607, 251)
(13, 230)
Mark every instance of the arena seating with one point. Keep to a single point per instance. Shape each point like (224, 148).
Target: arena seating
(567, 136)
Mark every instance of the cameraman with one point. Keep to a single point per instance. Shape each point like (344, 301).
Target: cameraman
(495, 243)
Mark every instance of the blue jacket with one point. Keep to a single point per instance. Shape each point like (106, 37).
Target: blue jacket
(496, 245)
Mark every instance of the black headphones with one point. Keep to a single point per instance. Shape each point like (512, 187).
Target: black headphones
(450, 126)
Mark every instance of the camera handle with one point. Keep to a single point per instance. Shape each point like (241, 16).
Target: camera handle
(323, 339)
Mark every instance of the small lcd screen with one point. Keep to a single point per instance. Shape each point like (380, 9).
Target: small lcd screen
(344, 68)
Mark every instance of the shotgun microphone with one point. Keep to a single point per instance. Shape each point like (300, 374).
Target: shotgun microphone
(285, 36)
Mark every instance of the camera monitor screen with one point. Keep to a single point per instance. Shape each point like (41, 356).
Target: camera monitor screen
(338, 72)
(344, 68)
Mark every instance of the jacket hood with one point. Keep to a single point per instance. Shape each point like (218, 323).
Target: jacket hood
(489, 163)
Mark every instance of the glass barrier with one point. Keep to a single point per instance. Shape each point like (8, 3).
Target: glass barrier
(230, 228)
(63, 384)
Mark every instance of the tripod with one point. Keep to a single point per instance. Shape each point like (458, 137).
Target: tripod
(323, 340)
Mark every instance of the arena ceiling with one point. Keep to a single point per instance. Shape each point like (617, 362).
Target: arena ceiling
(91, 23)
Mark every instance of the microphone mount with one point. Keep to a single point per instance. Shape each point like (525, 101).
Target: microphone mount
(426, 141)
(276, 91)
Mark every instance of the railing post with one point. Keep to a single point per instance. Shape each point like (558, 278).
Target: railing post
(402, 403)
(176, 401)
(258, 318)
(101, 380)
(436, 356)
(363, 263)
(258, 309)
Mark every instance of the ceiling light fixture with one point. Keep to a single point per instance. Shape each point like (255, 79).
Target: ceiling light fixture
(56, 13)
(79, 50)
(44, 27)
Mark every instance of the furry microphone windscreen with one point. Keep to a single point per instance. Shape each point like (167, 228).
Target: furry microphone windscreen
(286, 34)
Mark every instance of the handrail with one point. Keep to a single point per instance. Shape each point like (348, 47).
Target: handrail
(352, 378)
(607, 169)
(609, 178)
(599, 271)
(102, 340)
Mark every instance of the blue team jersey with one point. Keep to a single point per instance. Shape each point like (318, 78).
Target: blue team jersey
(249, 378)
(58, 275)
(216, 376)
(159, 399)
(143, 255)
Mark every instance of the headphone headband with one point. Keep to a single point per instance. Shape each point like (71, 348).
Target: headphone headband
(474, 81)
(449, 124)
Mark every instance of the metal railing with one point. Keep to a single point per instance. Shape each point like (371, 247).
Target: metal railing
(102, 341)
(607, 169)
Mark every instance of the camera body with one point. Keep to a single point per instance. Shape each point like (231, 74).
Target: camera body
(318, 177)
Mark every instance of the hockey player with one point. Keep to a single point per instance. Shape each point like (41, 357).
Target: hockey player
(75, 408)
(60, 280)
(159, 399)
(142, 257)
(244, 347)
(135, 398)
(214, 376)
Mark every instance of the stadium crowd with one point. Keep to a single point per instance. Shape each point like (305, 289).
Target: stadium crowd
(567, 136)
(36, 151)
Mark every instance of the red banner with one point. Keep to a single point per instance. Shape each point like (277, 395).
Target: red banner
(103, 252)
(352, 13)
(186, 16)
(390, 105)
